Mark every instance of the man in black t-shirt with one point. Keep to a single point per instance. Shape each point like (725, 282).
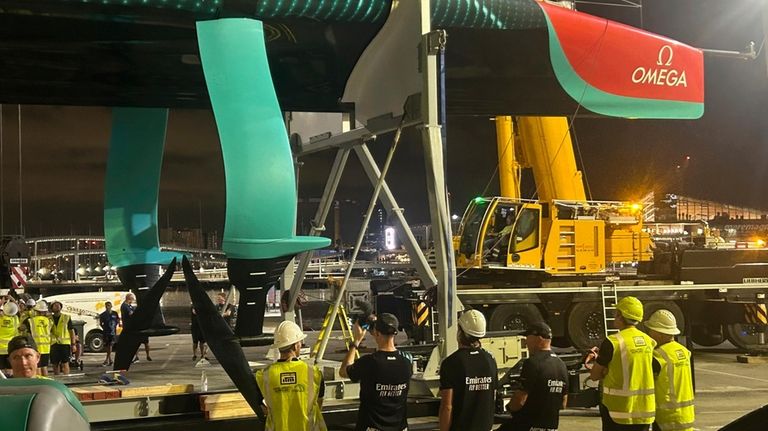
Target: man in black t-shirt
(384, 377)
(544, 379)
(468, 380)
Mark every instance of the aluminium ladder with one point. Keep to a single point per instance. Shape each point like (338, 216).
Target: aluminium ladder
(609, 298)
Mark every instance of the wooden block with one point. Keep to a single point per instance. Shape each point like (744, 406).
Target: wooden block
(82, 394)
(229, 413)
(91, 393)
(220, 398)
(147, 391)
(752, 359)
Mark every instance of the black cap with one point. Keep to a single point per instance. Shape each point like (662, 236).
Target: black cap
(540, 329)
(387, 324)
(20, 342)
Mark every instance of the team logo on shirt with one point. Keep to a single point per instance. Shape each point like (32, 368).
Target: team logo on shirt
(385, 390)
(287, 378)
(680, 354)
(555, 386)
(639, 341)
(479, 383)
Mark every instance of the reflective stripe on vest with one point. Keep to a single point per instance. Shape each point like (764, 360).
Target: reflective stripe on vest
(60, 333)
(9, 328)
(40, 326)
(628, 391)
(674, 388)
(290, 393)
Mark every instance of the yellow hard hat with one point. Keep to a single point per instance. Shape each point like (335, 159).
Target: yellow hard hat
(664, 322)
(286, 334)
(630, 308)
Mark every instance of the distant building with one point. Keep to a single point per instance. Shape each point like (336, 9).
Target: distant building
(182, 237)
(670, 207)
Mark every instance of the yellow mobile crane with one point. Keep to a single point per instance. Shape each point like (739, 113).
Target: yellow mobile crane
(564, 258)
(560, 233)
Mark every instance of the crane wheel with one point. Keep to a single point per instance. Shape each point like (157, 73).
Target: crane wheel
(707, 335)
(745, 336)
(585, 325)
(513, 317)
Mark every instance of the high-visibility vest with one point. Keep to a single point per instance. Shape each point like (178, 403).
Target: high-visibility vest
(628, 391)
(60, 333)
(290, 392)
(674, 388)
(40, 327)
(9, 328)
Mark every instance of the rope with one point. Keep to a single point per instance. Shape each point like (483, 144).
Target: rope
(21, 202)
(2, 195)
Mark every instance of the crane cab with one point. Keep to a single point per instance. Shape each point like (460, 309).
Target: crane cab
(500, 232)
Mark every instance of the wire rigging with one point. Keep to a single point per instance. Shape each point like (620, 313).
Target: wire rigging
(21, 201)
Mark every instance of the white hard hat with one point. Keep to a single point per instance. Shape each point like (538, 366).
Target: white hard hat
(41, 307)
(286, 334)
(472, 322)
(10, 309)
(663, 321)
(30, 302)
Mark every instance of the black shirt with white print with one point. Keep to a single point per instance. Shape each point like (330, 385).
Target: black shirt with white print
(472, 375)
(384, 380)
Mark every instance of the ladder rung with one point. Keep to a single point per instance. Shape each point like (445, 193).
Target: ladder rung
(610, 308)
(567, 244)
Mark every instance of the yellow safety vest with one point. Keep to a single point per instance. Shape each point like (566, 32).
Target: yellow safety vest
(40, 327)
(674, 388)
(290, 392)
(60, 333)
(9, 328)
(628, 392)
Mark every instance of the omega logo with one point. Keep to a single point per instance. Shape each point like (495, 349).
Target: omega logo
(664, 74)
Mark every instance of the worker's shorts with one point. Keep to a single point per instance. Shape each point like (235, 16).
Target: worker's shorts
(60, 353)
(5, 364)
(44, 360)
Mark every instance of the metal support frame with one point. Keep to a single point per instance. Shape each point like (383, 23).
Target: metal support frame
(403, 229)
(318, 226)
(359, 243)
(445, 278)
(436, 188)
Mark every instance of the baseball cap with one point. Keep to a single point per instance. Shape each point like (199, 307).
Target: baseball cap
(540, 329)
(387, 324)
(21, 342)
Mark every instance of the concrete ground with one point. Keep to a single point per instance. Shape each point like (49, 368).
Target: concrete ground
(725, 389)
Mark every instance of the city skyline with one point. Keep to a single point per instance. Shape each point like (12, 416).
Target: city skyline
(64, 148)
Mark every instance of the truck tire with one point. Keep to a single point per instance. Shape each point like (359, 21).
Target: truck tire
(513, 317)
(585, 325)
(94, 342)
(707, 335)
(744, 336)
(654, 306)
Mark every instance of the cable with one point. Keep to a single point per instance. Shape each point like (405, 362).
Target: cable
(581, 160)
(21, 202)
(2, 195)
(624, 3)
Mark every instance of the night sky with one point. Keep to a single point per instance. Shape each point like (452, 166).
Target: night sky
(65, 148)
